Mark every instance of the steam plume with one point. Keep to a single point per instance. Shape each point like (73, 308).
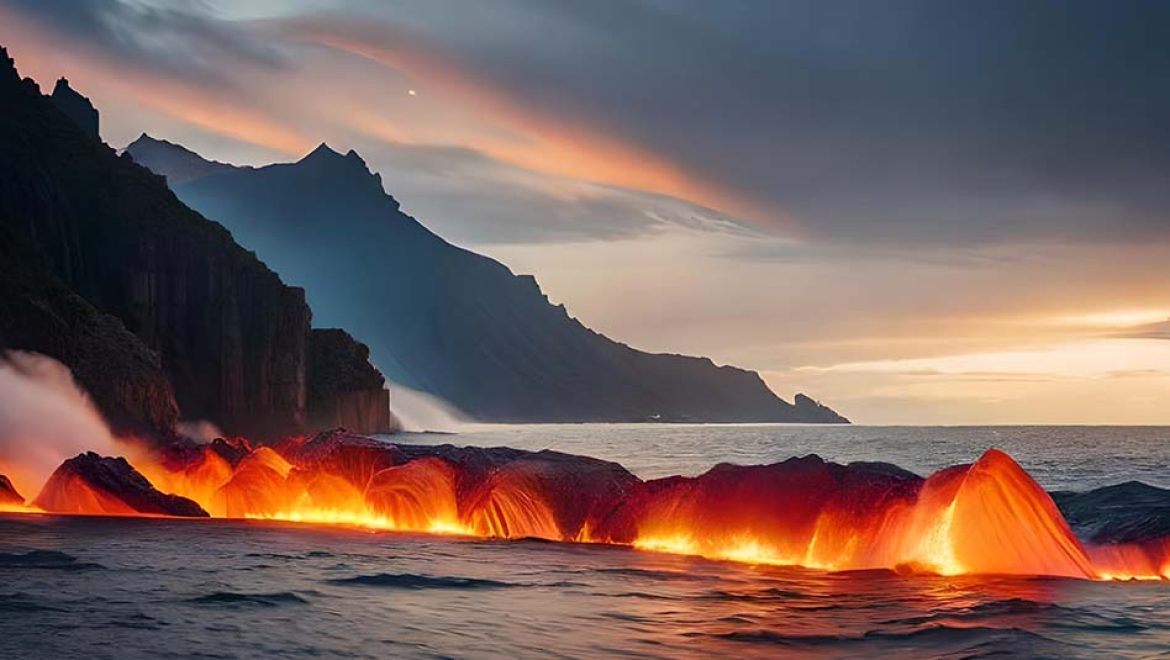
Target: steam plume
(45, 418)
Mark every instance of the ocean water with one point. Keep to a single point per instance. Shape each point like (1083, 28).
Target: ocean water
(1058, 457)
(137, 588)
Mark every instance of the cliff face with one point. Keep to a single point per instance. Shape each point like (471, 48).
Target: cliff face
(228, 334)
(345, 390)
(124, 377)
(446, 320)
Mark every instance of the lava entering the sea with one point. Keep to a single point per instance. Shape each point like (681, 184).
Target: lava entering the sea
(989, 517)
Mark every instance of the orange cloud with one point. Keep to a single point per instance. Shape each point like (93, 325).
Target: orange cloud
(557, 145)
(44, 55)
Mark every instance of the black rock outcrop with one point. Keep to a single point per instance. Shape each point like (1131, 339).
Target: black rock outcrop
(445, 320)
(1124, 513)
(8, 494)
(89, 483)
(345, 390)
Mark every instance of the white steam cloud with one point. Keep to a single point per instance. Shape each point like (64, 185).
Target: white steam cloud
(200, 430)
(45, 418)
(420, 411)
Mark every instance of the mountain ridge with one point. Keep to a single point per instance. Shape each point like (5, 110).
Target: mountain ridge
(495, 347)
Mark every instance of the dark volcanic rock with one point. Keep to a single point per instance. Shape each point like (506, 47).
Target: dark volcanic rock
(76, 107)
(353, 457)
(8, 494)
(89, 483)
(1124, 513)
(572, 490)
(158, 288)
(450, 322)
(345, 390)
(125, 378)
(579, 491)
(232, 450)
(782, 500)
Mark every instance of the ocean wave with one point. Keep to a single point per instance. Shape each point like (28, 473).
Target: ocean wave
(1023, 611)
(23, 603)
(276, 599)
(314, 554)
(414, 581)
(933, 639)
(650, 574)
(44, 559)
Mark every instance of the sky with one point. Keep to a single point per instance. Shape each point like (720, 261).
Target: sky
(916, 211)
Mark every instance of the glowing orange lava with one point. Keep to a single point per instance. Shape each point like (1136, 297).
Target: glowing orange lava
(989, 517)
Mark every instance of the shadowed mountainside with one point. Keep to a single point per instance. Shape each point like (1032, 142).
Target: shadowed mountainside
(153, 307)
(445, 320)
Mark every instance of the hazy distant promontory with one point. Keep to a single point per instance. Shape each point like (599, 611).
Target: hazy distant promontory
(445, 320)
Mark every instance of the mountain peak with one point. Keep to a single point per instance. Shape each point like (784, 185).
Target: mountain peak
(326, 154)
(7, 64)
(174, 161)
(325, 161)
(76, 106)
(322, 152)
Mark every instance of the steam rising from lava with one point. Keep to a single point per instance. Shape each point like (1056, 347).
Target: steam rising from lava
(45, 418)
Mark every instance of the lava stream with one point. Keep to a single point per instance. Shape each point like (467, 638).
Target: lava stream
(989, 517)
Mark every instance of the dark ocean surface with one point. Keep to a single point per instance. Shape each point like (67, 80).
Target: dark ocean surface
(137, 588)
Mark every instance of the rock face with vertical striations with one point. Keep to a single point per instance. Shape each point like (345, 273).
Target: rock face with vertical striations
(345, 390)
(39, 313)
(127, 283)
(445, 320)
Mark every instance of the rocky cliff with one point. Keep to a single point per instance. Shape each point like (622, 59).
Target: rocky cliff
(124, 377)
(106, 240)
(445, 320)
(345, 390)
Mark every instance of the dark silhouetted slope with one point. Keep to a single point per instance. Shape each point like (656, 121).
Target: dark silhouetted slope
(76, 107)
(446, 320)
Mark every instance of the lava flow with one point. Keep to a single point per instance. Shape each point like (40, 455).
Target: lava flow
(989, 517)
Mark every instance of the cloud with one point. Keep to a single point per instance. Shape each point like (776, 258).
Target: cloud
(84, 41)
(1160, 330)
(182, 40)
(553, 143)
(463, 193)
(943, 123)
